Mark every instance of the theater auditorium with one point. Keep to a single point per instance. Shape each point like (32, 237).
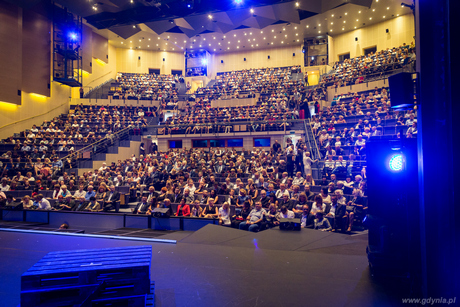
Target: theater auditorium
(228, 153)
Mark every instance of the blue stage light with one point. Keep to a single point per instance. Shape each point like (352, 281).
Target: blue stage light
(73, 36)
(238, 1)
(396, 163)
(204, 62)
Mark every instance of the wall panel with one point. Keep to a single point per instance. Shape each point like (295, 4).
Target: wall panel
(87, 49)
(36, 53)
(100, 47)
(10, 52)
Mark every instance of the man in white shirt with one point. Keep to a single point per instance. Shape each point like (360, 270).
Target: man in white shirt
(42, 203)
(285, 213)
(80, 192)
(282, 191)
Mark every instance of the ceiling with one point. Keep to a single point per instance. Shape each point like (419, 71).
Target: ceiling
(222, 25)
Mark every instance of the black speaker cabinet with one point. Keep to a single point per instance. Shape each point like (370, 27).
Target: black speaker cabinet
(393, 215)
(402, 90)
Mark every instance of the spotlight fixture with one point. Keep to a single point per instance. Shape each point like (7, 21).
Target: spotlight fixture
(411, 6)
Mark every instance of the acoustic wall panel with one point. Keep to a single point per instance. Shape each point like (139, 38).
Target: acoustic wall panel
(10, 52)
(36, 53)
(87, 49)
(100, 46)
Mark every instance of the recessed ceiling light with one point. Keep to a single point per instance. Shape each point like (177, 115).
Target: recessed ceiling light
(271, 43)
(274, 37)
(209, 45)
(370, 18)
(388, 8)
(297, 4)
(330, 30)
(237, 47)
(234, 35)
(249, 40)
(355, 27)
(332, 23)
(373, 10)
(229, 42)
(273, 30)
(357, 19)
(284, 29)
(264, 37)
(397, 15)
(332, 15)
(148, 46)
(261, 32)
(319, 25)
(344, 21)
(383, 16)
(214, 37)
(204, 39)
(257, 45)
(134, 26)
(359, 12)
(308, 26)
(319, 31)
(251, 10)
(130, 41)
(346, 14)
(149, 38)
(228, 48)
(157, 45)
(245, 34)
(285, 35)
(166, 43)
(282, 42)
(297, 34)
(210, 16)
(158, 37)
(122, 43)
(181, 47)
(214, 49)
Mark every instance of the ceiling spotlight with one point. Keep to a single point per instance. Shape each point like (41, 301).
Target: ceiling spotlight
(134, 26)
(210, 16)
(297, 4)
(332, 15)
(252, 11)
(122, 43)
(95, 7)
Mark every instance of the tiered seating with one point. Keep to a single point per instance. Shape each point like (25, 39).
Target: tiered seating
(146, 87)
(238, 84)
(356, 70)
(354, 118)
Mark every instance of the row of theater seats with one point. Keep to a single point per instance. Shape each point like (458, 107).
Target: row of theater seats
(144, 86)
(356, 70)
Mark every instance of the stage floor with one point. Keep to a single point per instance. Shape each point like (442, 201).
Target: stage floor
(218, 266)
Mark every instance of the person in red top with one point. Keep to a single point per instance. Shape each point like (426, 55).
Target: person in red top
(183, 209)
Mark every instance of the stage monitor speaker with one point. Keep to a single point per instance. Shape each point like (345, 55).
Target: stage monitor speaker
(269, 57)
(401, 90)
(14, 206)
(290, 224)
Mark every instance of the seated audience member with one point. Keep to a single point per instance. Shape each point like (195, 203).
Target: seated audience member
(27, 203)
(111, 198)
(254, 219)
(80, 204)
(142, 207)
(210, 211)
(321, 223)
(67, 204)
(93, 205)
(183, 209)
(285, 213)
(166, 204)
(41, 203)
(337, 214)
(305, 216)
(272, 217)
(241, 215)
(80, 192)
(196, 210)
(318, 205)
(224, 215)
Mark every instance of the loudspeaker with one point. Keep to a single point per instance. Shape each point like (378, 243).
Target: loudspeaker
(139, 58)
(290, 224)
(356, 39)
(401, 90)
(293, 54)
(393, 202)
(163, 59)
(269, 57)
(387, 31)
(222, 61)
(14, 206)
(244, 59)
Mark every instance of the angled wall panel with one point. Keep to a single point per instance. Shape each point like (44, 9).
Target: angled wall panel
(36, 53)
(10, 52)
(100, 46)
(87, 49)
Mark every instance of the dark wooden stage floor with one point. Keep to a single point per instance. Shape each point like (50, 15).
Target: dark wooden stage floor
(217, 266)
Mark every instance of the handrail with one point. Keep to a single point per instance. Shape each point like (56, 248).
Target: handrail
(111, 137)
(317, 153)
